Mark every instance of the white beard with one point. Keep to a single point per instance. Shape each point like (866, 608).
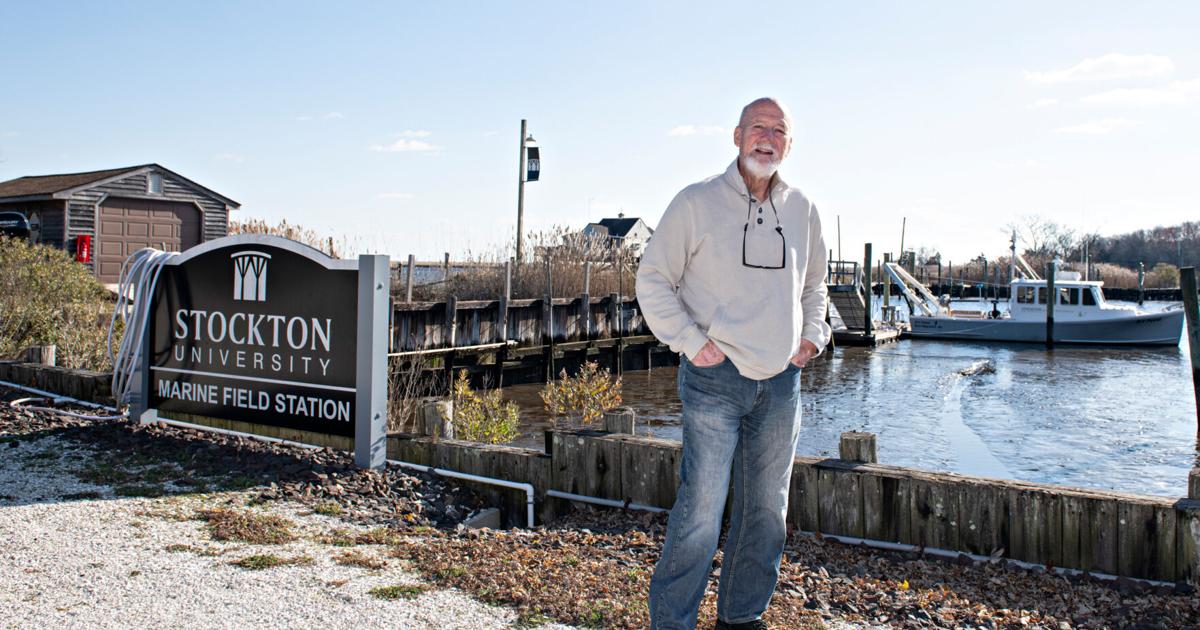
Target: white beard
(760, 169)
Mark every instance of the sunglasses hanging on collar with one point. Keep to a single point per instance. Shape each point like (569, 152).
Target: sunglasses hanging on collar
(764, 248)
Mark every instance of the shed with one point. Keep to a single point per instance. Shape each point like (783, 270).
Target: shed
(120, 210)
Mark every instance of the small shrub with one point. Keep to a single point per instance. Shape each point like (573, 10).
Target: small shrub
(346, 538)
(258, 562)
(257, 529)
(401, 591)
(1162, 276)
(360, 559)
(328, 508)
(583, 397)
(47, 298)
(483, 416)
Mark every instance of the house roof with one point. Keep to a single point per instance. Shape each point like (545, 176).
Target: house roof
(619, 228)
(60, 186)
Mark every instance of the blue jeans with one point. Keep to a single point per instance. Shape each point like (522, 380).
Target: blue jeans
(740, 428)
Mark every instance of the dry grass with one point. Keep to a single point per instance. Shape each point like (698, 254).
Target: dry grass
(335, 248)
(400, 591)
(406, 389)
(347, 538)
(259, 562)
(248, 527)
(359, 559)
(559, 251)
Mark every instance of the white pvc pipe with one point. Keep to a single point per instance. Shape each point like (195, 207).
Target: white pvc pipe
(57, 397)
(516, 485)
(261, 438)
(607, 502)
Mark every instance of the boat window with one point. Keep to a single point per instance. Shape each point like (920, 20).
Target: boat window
(1041, 295)
(1025, 295)
(1068, 296)
(1089, 298)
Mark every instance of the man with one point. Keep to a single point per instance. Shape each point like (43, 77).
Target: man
(734, 280)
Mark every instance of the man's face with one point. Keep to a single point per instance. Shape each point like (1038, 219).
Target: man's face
(763, 139)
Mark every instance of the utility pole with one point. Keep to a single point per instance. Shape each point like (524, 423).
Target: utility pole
(521, 197)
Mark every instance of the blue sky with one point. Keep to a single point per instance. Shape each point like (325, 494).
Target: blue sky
(395, 125)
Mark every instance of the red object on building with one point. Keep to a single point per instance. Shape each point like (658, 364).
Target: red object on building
(83, 248)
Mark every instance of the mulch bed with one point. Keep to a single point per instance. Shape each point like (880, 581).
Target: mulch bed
(592, 567)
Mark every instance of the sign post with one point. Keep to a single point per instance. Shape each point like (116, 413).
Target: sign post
(370, 422)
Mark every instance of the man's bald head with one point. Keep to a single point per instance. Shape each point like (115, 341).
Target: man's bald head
(764, 102)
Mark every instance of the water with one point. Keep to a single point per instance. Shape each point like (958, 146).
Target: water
(1114, 419)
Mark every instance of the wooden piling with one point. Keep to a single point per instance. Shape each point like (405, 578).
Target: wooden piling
(1194, 484)
(451, 340)
(435, 419)
(548, 324)
(1191, 305)
(408, 282)
(1051, 298)
(501, 334)
(868, 322)
(887, 285)
(620, 420)
(41, 355)
(856, 446)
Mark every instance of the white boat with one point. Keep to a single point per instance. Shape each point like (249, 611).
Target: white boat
(1081, 315)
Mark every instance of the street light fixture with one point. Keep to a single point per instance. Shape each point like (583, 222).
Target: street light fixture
(529, 167)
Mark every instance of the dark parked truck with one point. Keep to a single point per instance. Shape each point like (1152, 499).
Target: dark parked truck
(14, 224)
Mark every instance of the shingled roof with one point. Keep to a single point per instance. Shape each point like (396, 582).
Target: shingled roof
(50, 184)
(619, 227)
(47, 186)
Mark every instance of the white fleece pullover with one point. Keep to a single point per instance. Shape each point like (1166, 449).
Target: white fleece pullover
(692, 285)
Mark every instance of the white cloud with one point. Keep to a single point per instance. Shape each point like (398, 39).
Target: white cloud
(1174, 93)
(230, 157)
(394, 195)
(1042, 103)
(403, 145)
(698, 130)
(1107, 67)
(405, 141)
(9, 134)
(325, 116)
(1098, 127)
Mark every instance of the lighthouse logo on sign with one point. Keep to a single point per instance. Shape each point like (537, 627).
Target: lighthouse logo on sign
(250, 276)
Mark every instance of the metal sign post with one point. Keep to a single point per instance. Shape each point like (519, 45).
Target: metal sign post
(370, 422)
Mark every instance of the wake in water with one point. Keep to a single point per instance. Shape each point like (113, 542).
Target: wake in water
(974, 457)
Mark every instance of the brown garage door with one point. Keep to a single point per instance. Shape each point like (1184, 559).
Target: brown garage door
(127, 225)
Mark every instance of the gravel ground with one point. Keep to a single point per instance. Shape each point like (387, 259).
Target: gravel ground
(76, 555)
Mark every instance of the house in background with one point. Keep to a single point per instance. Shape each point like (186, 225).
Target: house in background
(630, 234)
(104, 216)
